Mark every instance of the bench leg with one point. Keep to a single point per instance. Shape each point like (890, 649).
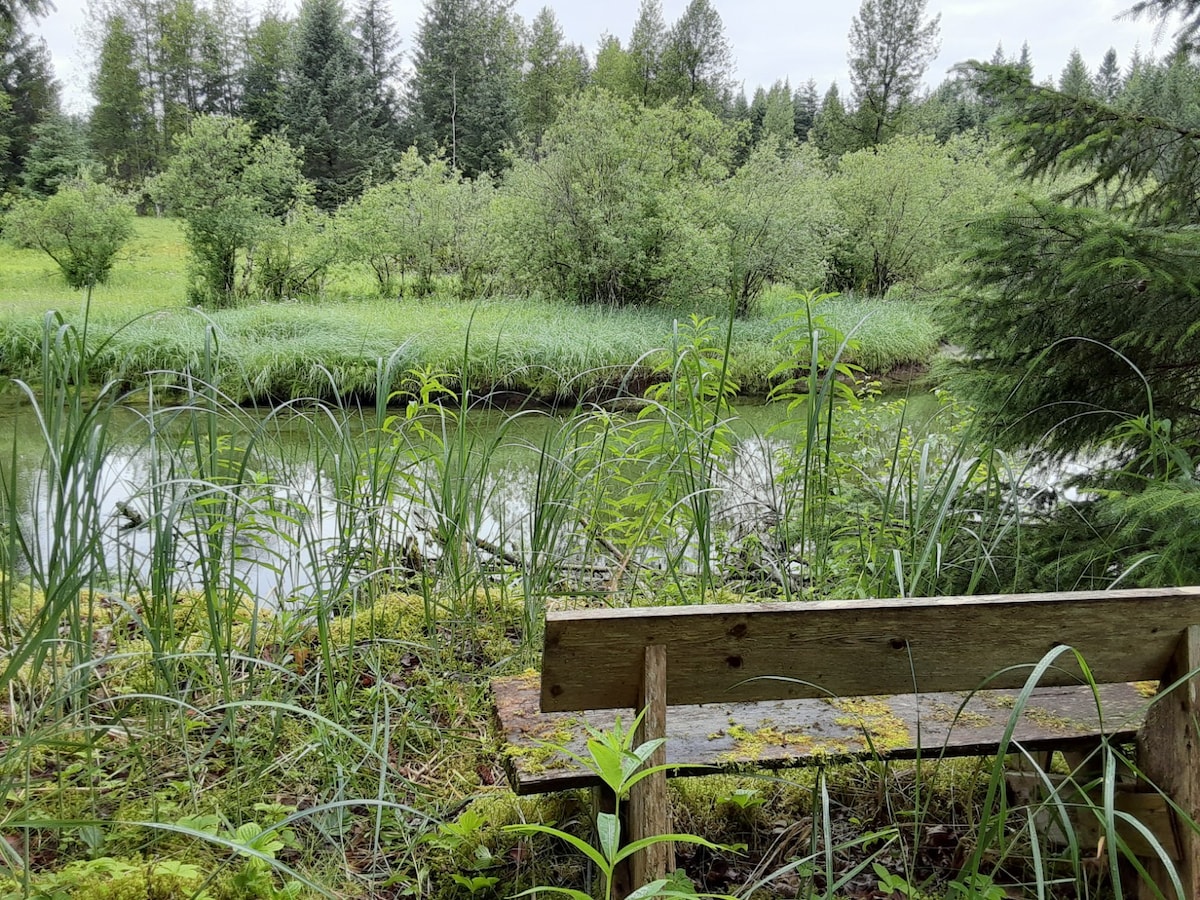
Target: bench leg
(649, 813)
(1169, 755)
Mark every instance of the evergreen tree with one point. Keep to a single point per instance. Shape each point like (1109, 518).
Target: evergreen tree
(464, 89)
(805, 103)
(1108, 82)
(831, 130)
(613, 71)
(758, 114)
(28, 96)
(265, 72)
(1082, 305)
(12, 11)
(325, 104)
(60, 154)
(224, 34)
(122, 127)
(697, 61)
(378, 48)
(779, 119)
(1075, 79)
(1025, 61)
(891, 44)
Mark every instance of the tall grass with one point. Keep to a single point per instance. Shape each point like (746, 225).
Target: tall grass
(550, 351)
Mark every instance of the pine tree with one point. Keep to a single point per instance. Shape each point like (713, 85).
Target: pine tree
(891, 44)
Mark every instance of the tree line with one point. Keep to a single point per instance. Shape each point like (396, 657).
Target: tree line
(481, 85)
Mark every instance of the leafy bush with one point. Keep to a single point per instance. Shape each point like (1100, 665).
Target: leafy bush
(82, 228)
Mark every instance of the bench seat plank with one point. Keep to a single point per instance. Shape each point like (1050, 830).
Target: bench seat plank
(593, 659)
(781, 733)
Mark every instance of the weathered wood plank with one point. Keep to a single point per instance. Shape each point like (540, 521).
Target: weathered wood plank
(775, 734)
(739, 652)
(649, 809)
(1169, 756)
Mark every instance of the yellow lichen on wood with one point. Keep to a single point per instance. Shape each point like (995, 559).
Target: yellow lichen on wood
(882, 729)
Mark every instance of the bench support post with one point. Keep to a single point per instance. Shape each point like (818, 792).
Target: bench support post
(1169, 756)
(649, 813)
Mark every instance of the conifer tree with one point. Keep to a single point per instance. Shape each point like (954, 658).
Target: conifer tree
(1082, 304)
(831, 130)
(378, 48)
(1075, 79)
(805, 103)
(28, 96)
(697, 61)
(553, 71)
(464, 88)
(647, 44)
(1107, 83)
(123, 130)
(779, 118)
(265, 72)
(326, 104)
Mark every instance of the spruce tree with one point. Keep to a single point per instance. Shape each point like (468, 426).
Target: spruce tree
(378, 49)
(831, 129)
(325, 104)
(806, 103)
(1075, 78)
(1107, 83)
(123, 131)
(1081, 307)
(28, 96)
(697, 61)
(647, 44)
(553, 71)
(265, 72)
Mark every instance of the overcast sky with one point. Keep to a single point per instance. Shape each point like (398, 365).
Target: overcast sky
(771, 39)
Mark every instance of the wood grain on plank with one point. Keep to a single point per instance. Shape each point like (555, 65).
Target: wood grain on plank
(767, 651)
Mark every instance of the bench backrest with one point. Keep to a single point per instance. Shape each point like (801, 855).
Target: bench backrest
(724, 653)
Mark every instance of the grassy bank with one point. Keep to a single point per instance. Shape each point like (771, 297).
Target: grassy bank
(329, 348)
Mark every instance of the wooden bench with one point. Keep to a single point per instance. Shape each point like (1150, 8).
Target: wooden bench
(773, 684)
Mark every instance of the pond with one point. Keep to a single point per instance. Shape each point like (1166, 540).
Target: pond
(301, 500)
